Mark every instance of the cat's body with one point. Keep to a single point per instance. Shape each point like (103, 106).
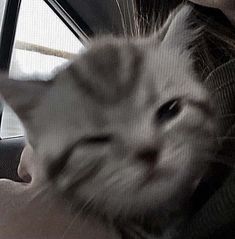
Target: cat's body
(126, 129)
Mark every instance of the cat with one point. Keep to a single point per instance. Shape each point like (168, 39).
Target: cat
(127, 128)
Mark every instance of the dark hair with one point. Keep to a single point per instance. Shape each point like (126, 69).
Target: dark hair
(216, 44)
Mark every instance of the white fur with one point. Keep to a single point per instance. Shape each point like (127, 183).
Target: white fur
(65, 114)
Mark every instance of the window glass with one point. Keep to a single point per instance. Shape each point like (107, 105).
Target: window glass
(2, 9)
(42, 44)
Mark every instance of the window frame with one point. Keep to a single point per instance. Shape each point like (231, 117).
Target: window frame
(71, 19)
(9, 25)
(8, 30)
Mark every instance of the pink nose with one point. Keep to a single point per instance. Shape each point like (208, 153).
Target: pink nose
(148, 155)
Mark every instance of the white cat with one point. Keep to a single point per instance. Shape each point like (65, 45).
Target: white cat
(127, 128)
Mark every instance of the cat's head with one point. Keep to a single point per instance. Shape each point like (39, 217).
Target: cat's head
(127, 127)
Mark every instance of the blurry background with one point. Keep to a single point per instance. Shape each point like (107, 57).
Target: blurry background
(45, 41)
(42, 43)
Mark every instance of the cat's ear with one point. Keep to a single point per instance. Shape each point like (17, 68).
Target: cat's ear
(177, 31)
(22, 96)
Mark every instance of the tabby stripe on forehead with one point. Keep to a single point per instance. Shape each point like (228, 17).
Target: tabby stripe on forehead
(112, 87)
(83, 84)
(134, 73)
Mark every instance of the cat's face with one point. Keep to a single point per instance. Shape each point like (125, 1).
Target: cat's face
(124, 129)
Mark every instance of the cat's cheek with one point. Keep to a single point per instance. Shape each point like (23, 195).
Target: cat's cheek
(117, 192)
(107, 183)
(183, 164)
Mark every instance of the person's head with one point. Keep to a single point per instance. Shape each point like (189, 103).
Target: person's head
(220, 4)
(216, 44)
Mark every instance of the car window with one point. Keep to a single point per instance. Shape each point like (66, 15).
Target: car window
(2, 9)
(42, 44)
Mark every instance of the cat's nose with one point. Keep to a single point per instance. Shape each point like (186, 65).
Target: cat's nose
(147, 155)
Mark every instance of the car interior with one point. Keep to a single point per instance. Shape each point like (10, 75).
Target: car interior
(87, 19)
(84, 19)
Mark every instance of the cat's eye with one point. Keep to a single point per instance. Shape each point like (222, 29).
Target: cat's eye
(169, 110)
(97, 139)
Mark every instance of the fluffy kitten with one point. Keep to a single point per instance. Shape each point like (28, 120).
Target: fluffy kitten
(126, 128)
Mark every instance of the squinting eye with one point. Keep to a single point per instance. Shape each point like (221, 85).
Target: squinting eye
(169, 110)
(97, 139)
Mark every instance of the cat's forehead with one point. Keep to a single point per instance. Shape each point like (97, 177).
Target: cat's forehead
(108, 71)
(111, 68)
(169, 71)
(126, 73)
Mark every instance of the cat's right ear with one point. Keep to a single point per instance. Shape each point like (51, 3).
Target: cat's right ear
(177, 30)
(22, 96)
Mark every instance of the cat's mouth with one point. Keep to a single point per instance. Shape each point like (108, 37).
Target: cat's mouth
(153, 175)
(149, 178)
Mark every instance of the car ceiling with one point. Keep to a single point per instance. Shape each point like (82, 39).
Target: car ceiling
(98, 14)
(104, 16)
(111, 16)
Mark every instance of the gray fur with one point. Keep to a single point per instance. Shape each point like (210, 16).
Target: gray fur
(114, 90)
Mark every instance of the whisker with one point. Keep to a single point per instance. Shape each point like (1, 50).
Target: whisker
(41, 192)
(135, 20)
(89, 202)
(131, 231)
(226, 137)
(122, 18)
(130, 19)
(226, 116)
(69, 226)
(76, 216)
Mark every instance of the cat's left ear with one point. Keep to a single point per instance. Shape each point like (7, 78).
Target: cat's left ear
(22, 96)
(177, 31)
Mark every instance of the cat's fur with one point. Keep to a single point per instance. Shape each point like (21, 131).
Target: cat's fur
(95, 126)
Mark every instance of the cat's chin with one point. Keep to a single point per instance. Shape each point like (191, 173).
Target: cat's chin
(129, 204)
